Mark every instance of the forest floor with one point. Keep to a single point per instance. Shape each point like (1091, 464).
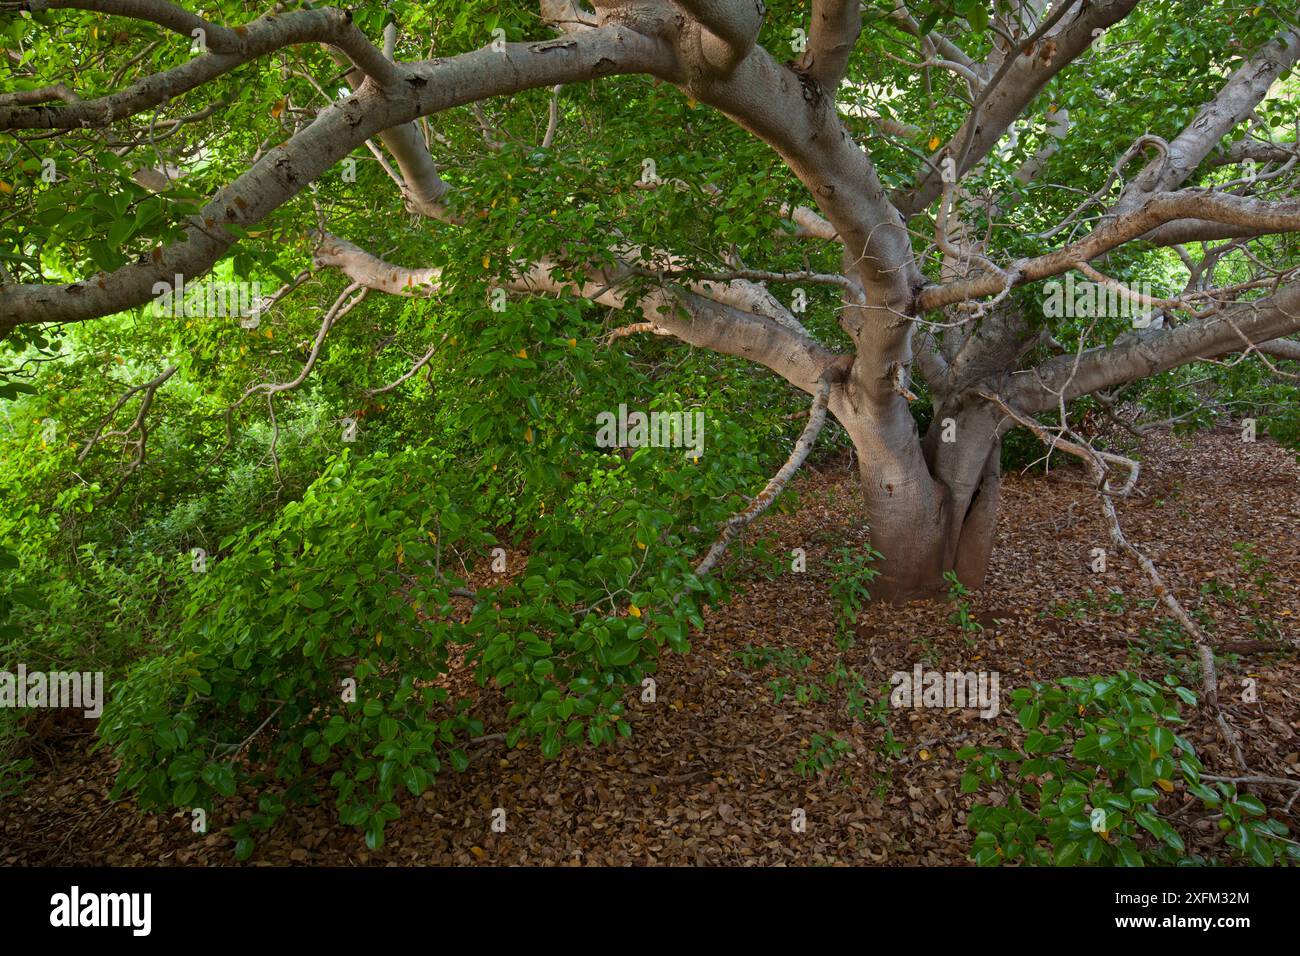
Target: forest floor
(709, 776)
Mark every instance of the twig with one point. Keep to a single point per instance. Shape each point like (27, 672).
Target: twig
(738, 522)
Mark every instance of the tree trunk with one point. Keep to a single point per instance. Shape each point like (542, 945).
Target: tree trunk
(931, 506)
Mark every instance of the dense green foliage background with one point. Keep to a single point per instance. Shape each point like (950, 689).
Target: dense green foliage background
(329, 560)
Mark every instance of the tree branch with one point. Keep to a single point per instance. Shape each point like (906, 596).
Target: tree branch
(1140, 356)
(259, 38)
(278, 176)
(730, 28)
(835, 28)
(1018, 81)
(763, 500)
(1138, 223)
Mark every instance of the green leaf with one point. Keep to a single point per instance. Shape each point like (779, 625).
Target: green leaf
(1251, 805)
(1067, 854)
(1159, 829)
(1030, 715)
(1162, 739)
(1129, 856)
(335, 730)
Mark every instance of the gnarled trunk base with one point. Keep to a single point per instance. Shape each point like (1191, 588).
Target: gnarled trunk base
(928, 517)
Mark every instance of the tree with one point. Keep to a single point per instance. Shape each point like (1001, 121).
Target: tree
(934, 213)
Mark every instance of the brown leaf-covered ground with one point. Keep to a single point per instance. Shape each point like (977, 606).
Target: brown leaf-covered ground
(709, 776)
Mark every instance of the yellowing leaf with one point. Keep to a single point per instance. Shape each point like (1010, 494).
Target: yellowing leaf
(574, 342)
(522, 353)
(477, 851)
(925, 755)
(934, 142)
(5, 187)
(1166, 785)
(633, 610)
(278, 108)
(528, 434)
(487, 262)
